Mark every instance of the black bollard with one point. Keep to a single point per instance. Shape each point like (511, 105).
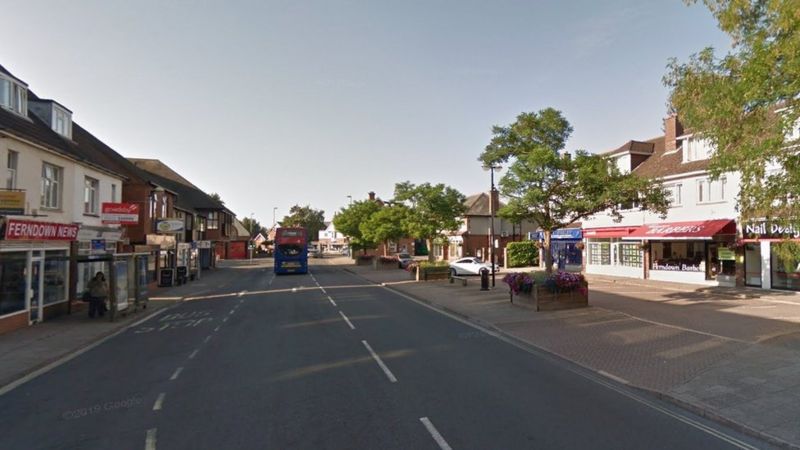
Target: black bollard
(484, 280)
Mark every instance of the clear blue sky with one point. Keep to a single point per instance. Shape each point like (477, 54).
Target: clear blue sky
(360, 94)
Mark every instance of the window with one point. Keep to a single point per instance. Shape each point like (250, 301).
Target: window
(55, 276)
(113, 193)
(13, 283)
(51, 186)
(91, 188)
(213, 221)
(13, 159)
(600, 253)
(630, 255)
(709, 191)
(696, 149)
(62, 122)
(674, 194)
(13, 96)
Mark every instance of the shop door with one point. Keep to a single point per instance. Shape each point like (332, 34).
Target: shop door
(713, 264)
(35, 283)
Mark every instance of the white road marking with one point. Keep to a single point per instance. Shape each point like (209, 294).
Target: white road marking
(435, 433)
(217, 329)
(294, 289)
(159, 401)
(224, 319)
(378, 360)
(208, 338)
(232, 311)
(323, 290)
(242, 293)
(347, 320)
(150, 440)
(194, 353)
(331, 300)
(613, 377)
(176, 374)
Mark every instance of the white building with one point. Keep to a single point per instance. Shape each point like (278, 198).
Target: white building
(52, 192)
(331, 240)
(691, 243)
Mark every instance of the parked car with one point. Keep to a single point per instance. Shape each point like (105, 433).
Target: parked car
(403, 260)
(314, 253)
(470, 266)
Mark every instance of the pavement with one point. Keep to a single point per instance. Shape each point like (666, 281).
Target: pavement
(732, 355)
(32, 349)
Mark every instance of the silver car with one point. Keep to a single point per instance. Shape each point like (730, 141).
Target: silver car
(470, 266)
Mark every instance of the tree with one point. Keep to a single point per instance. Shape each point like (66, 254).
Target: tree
(746, 103)
(557, 190)
(386, 224)
(349, 219)
(253, 226)
(433, 210)
(313, 220)
(216, 197)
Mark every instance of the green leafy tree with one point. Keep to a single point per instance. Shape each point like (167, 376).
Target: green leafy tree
(313, 220)
(387, 224)
(524, 253)
(253, 226)
(348, 222)
(433, 210)
(746, 103)
(557, 190)
(216, 197)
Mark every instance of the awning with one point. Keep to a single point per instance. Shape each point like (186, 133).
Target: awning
(704, 229)
(608, 232)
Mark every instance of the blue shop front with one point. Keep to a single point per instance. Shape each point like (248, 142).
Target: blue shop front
(565, 248)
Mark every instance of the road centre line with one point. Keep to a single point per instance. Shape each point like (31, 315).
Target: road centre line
(159, 402)
(194, 353)
(217, 329)
(378, 360)
(150, 440)
(347, 320)
(176, 374)
(208, 338)
(435, 433)
(232, 311)
(241, 293)
(332, 302)
(589, 376)
(224, 319)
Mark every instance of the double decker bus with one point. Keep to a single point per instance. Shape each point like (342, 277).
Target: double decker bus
(291, 250)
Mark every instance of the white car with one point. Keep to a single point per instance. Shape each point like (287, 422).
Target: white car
(470, 266)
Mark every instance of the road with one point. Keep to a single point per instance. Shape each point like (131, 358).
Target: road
(329, 361)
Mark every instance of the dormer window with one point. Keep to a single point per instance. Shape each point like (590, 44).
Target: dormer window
(62, 121)
(13, 96)
(695, 149)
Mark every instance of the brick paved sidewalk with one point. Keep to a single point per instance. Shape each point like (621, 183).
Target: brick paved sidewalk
(731, 356)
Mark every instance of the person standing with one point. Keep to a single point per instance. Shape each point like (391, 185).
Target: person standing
(98, 292)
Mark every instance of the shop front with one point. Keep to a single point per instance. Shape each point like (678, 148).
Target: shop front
(565, 248)
(763, 266)
(608, 254)
(34, 271)
(689, 252)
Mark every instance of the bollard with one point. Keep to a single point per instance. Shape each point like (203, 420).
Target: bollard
(484, 280)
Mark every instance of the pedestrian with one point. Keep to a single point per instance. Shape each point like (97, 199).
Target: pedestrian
(98, 291)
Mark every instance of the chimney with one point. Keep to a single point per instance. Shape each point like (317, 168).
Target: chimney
(371, 196)
(672, 129)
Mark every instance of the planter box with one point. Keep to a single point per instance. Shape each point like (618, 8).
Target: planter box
(542, 299)
(364, 261)
(431, 274)
(377, 264)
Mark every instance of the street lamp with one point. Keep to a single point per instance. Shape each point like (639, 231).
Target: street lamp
(349, 199)
(274, 208)
(491, 168)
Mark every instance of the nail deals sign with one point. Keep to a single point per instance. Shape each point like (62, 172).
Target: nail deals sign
(766, 230)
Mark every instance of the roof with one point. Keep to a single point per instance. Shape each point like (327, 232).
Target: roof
(663, 164)
(159, 168)
(189, 196)
(9, 74)
(478, 205)
(641, 147)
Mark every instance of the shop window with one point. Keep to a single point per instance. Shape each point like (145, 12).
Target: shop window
(630, 255)
(785, 274)
(55, 276)
(600, 253)
(752, 265)
(86, 271)
(12, 282)
(678, 256)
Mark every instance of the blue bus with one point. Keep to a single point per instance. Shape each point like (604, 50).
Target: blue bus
(291, 250)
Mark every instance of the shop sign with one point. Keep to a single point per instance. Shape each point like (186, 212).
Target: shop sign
(120, 213)
(12, 202)
(88, 233)
(163, 242)
(27, 230)
(561, 233)
(726, 254)
(684, 230)
(169, 225)
(675, 267)
(203, 244)
(776, 231)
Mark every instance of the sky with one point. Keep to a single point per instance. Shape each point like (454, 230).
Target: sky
(276, 103)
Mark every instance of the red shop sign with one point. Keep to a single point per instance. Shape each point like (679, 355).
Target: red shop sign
(28, 230)
(120, 213)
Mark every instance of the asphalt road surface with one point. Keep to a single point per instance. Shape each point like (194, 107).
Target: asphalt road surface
(329, 361)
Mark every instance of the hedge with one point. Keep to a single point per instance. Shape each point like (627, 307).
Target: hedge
(523, 254)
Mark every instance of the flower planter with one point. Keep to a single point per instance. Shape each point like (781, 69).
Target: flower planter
(379, 264)
(431, 274)
(361, 261)
(541, 298)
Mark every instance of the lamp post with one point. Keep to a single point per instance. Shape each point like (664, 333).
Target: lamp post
(349, 199)
(491, 168)
(274, 208)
